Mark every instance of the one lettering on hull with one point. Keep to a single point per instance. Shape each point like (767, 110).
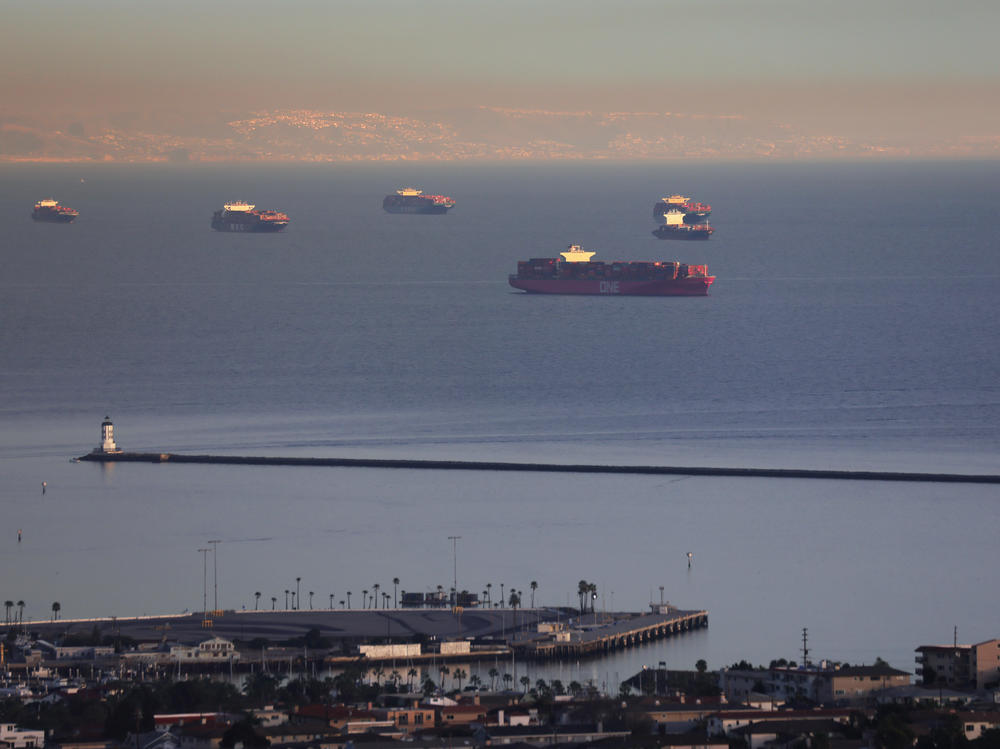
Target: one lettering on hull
(610, 287)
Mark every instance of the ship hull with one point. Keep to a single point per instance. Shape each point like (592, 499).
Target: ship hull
(694, 235)
(697, 286)
(54, 218)
(425, 209)
(254, 227)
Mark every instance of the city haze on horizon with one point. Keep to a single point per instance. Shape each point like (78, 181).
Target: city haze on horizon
(112, 80)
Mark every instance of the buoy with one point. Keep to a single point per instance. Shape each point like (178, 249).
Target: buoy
(689, 559)
(43, 487)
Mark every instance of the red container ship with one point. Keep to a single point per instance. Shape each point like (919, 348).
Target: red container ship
(575, 273)
(412, 200)
(50, 210)
(694, 213)
(242, 217)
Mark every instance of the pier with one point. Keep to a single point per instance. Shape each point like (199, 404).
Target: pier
(483, 465)
(618, 634)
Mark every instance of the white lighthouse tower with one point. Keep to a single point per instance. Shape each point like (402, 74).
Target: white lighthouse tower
(107, 437)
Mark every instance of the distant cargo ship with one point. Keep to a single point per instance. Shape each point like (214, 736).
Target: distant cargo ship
(412, 200)
(694, 213)
(675, 228)
(50, 210)
(573, 272)
(243, 217)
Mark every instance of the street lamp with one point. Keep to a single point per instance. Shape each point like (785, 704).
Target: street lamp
(215, 569)
(454, 547)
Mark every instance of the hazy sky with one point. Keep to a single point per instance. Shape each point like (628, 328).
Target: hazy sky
(849, 58)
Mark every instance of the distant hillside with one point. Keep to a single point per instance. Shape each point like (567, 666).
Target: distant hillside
(483, 133)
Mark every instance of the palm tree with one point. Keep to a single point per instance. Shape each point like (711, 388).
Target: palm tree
(410, 674)
(489, 591)
(582, 588)
(501, 593)
(534, 587)
(575, 688)
(20, 612)
(310, 600)
(525, 682)
(475, 681)
(331, 601)
(375, 596)
(55, 610)
(514, 600)
(493, 674)
(364, 598)
(443, 669)
(592, 588)
(395, 587)
(297, 593)
(507, 679)
(459, 674)
(256, 600)
(274, 602)
(348, 599)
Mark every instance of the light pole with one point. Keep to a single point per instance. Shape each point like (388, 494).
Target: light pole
(204, 581)
(215, 569)
(454, 547)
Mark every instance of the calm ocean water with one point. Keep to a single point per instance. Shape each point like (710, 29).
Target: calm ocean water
(853, 325)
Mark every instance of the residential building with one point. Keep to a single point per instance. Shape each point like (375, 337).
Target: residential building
(963, 666)
(13, 737)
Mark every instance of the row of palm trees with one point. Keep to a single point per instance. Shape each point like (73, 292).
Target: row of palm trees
(460, 675)
(12, 617)
(376, 598)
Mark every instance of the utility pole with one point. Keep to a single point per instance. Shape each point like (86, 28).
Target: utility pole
(215, 570)
(454, 546)
(805, 646)
(204, 581)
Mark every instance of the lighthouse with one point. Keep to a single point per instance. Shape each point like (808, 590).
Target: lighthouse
(107, 437)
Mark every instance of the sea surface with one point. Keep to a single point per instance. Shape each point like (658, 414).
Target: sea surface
(853, 325)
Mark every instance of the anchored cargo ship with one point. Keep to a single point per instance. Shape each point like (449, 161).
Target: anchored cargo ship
(243, 217)
(694, 213)
(50, 210)
(675, 228)
(573, 272)
(412, 200)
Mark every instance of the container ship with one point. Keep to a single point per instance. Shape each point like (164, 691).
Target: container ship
(694, 213)
(675, 228)
(412, 200)
(244, 217)
(573, 272)
(50, 210)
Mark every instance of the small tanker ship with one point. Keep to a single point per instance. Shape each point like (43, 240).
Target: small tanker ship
(412, 200)
(574, 272)
(244, 217)
(50, 211)
(694, 212)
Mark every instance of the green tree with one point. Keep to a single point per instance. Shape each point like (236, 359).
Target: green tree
(525, 682)
(56, 608)
(534, 587)
(458, 675)
(493, 674)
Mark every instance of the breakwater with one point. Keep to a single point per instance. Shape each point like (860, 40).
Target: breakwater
(484, 465)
